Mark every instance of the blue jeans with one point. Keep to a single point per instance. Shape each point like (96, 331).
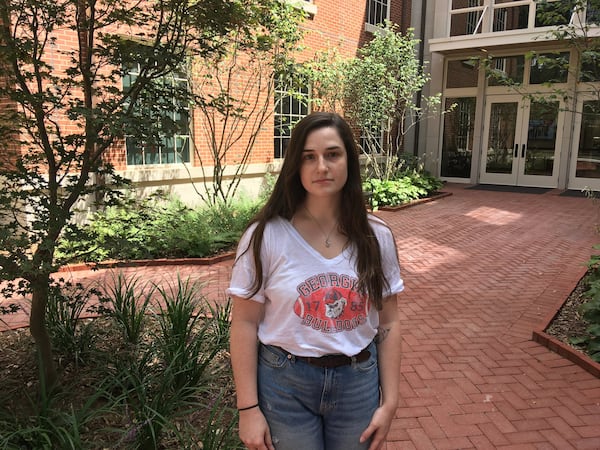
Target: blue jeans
(314, 408)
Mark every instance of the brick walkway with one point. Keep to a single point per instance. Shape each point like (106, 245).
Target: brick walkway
(482, 270)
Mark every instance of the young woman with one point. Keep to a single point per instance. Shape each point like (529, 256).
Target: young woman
(315, 342)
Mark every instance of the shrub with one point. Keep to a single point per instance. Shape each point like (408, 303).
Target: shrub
(71, 337)
(169, 387)
(405, 187)
(128, 304)
(157, 227)
(590, 310)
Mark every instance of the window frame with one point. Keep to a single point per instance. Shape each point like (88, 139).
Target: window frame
(144, 150)
(304, 92)
(372, 26)
(484, 13)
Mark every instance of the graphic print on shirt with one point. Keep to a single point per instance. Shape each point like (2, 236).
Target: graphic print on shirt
(330, 303)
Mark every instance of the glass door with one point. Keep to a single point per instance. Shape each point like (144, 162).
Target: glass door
(520, 142)
(503, 118)
(540, 154)
(585, 162)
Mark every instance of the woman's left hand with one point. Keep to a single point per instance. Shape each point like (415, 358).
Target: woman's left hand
(378, 427)
(388, 358)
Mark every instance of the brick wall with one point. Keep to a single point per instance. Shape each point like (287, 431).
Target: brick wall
(337, 23)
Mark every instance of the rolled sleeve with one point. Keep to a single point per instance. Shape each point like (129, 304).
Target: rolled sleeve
(244, 271)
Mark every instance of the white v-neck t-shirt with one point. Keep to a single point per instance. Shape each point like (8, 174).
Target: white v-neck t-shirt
(312, 304)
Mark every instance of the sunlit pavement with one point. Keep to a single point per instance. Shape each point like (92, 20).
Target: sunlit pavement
(482, 270)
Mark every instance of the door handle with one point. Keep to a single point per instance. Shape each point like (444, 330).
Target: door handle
(516, 150)
(523, 150)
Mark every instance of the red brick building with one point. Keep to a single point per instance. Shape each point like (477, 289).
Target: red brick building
(184, 161)
(343, 24)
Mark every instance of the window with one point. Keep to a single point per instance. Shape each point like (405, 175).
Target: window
(592, 13)
(507, 70)
(457, 147)
(472, 17)
(291, 105)
(552, 13)
(588, 154)
(510, 17)
(377, 11)
(462, 73)
(466, 16)
(549, 68)
(168, 137)
(590, 67)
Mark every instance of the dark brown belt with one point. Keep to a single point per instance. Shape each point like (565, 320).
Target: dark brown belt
(332, 361)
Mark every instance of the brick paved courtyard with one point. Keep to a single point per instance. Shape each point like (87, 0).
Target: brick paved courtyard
(482, 270)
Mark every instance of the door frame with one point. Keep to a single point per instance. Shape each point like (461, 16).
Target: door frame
(499, 178)
(574, 182)
(517, 177)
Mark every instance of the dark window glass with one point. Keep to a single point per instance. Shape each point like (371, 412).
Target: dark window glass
(549, 68)
(457, 146)
(291, 105)
(511, 18)
(590, 67)
(506, 71)
(553, 13)
(462, 73)
(592, 12)
(588, 155)
(377, 11)
(171, 113)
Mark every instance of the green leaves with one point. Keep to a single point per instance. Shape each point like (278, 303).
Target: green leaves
(590, 311)
(376, 91)
(169, 387)
(405, 187)
(157, 227)
(382, 81)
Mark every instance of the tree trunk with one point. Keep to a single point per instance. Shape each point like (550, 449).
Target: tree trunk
(37, 328)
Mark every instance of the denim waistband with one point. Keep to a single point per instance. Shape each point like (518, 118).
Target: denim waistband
(328, 361)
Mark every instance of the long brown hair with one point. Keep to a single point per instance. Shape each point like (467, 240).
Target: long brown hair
(288, 194)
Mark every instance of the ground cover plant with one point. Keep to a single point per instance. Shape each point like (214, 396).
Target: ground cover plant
(164, 385)
(573, 325)
(577, 323)
(407, 183)
(590, 310)
(158, 227)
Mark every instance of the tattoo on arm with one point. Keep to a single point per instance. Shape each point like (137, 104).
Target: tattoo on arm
(382, 333)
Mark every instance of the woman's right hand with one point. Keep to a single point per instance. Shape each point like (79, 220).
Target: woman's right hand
(254, 430)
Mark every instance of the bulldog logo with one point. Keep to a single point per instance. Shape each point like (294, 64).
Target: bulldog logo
(334, 304)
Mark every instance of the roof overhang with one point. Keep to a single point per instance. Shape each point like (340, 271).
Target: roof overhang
(490, 42)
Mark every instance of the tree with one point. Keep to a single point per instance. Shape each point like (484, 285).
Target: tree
(65, 108)
(378, 89)
(576, 28)
(327, 73)
(381, 89)
(236, 86)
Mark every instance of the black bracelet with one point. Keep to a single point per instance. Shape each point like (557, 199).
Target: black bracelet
(247, 407)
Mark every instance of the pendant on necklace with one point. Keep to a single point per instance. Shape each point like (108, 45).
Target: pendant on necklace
(327, 243)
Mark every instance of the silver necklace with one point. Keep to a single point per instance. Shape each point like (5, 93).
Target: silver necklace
(327, 235)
